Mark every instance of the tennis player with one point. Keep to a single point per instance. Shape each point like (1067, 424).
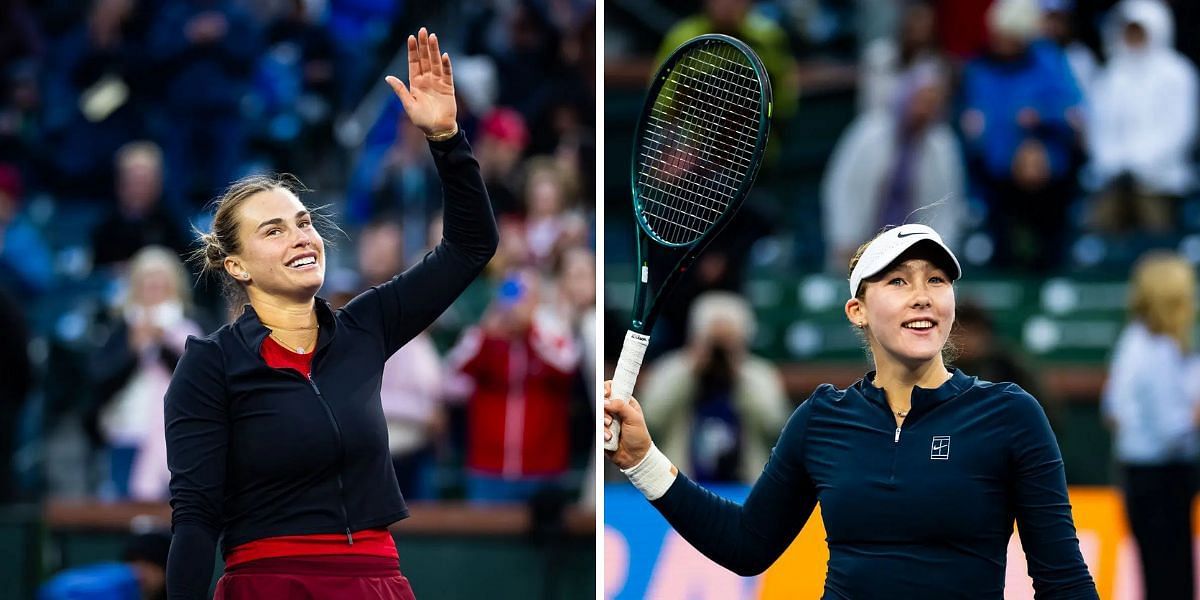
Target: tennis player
(920, 469)
(276, 440)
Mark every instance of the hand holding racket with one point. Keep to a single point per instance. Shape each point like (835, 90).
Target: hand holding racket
(697, 148)
(635, 439)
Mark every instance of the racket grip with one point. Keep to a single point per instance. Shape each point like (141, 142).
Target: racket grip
(629, 364)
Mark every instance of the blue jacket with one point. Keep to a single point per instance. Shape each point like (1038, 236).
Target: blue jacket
(1041, 79)
(920, 511)
(104, 581)
(208, 78)
(258, 452)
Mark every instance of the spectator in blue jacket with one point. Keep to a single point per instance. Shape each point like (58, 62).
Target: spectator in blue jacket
(94, 82)
(296, 88)
(139, 576)
(26, 264)
(205, 51)
(1019, 123)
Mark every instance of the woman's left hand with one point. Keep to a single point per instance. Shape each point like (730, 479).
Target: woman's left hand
(429, 97)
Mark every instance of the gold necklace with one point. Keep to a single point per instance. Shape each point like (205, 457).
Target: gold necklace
(899, 413)
(298, 349)
(273, 327)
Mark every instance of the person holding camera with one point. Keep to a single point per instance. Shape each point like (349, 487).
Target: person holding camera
(712, 403)
(515, 370)
(130, 370)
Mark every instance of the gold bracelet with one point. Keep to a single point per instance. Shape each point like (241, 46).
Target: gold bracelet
(444, 135)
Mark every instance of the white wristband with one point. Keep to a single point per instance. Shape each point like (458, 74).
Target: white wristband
(652, 476)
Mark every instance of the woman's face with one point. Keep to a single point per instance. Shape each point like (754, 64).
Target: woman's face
(282, 254)
(919, 26)
(544, 196)
(579, 278)
(154, 286)
(907, 312)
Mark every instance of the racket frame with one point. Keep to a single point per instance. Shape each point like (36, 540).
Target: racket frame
(646, 306)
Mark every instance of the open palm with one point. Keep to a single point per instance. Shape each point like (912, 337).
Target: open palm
(429, 97)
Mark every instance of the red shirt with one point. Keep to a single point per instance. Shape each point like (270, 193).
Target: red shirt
(369, 542)
(517, 418)
(279, 357)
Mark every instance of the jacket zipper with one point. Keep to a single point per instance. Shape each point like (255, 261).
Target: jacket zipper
(895, 442)
(337, 434)
(895, 453)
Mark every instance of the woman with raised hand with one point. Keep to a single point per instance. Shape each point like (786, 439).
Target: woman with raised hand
(276, 441)
(920, 469)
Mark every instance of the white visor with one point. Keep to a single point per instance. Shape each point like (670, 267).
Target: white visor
(886, 248)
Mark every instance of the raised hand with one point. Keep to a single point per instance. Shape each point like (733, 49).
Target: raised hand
(429, 97)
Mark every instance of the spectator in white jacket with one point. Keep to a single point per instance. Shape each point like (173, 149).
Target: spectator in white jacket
(1142, 121)
(888, 164)
(716, 408)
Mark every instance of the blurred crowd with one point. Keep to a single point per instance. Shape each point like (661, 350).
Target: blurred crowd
(121, 119)
(1035, 135)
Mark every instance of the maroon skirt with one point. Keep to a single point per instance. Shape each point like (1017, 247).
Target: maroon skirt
(315, 577)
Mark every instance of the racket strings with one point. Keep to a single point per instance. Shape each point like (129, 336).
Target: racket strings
(707, 125)
(698, 142)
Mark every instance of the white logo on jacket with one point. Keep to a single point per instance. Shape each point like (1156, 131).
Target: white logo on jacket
(940, 449)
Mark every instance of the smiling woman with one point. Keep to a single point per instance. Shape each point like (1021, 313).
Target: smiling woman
(266, 248)
(907, 322)
(276, 441)
(883, 456)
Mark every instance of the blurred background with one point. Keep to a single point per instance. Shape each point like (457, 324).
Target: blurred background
(121, 119)
(1051, 142)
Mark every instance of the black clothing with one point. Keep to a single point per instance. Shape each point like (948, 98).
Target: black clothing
(110, 366)
(1029, 227)
(924, 510)
(119, 237)
(1158, 501)
(14, 386)
(258, 452)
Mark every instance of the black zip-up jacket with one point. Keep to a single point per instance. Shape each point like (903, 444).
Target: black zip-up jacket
(257, 452)
(924, 511)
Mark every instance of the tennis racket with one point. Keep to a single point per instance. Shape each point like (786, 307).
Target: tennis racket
(696, 151)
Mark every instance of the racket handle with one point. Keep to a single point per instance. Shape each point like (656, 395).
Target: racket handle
(628, 366)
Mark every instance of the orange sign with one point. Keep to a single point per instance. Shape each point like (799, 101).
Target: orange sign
(1104, 540)
(644, 558)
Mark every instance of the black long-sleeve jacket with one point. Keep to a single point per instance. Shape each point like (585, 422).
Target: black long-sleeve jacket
(920, 511)
(256, 452)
